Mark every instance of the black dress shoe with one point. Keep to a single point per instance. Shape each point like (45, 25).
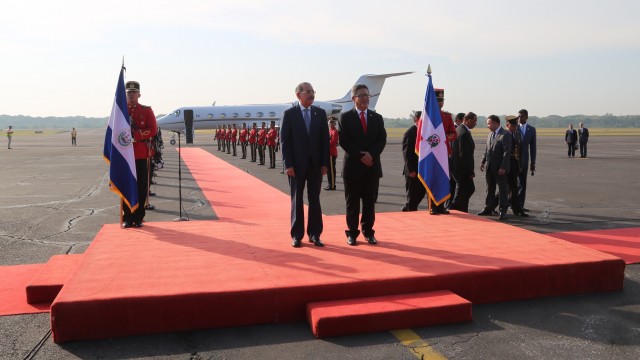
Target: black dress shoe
(316, 241)
(351, 241)
(329, 188)
(433, 212)
(404, 209)
(372, 240)
(126, 225)
(522, 213)
(525, 209)
(152, 194)
(503, 216)
(444, 212)
(150, 207)
(137, 224)
(485, 213)
(295, 243)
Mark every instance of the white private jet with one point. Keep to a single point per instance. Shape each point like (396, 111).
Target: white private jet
(209, 117)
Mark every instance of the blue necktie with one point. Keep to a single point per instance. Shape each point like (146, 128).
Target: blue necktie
(307, 119)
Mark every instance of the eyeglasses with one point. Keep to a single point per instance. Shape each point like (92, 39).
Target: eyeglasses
(310, 92)
(363, 96)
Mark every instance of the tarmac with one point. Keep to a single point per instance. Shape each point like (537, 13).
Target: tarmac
(55, 198)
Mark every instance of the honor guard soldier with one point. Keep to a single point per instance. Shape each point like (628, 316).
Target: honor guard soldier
(143, 129)
(253, 139)
(515, 165)
(450, 133)
(244, 134)
(223, 137)
(217, 137)
(262, 142)
(228, 139)
(234, 138)
(334, 138)
(272, 139)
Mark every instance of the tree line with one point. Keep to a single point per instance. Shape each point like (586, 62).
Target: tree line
(551, 121)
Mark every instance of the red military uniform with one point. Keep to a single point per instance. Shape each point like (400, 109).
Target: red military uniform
(243, 141)
(243, 135)
(234, 135)
(272, 139)
(262, 141)
(449, 129)
(334, 138)
(143, 128)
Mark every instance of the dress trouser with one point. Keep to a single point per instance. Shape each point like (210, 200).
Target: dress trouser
(313, 180)
(362, 188)
(331, 174)
(142, 182)
(415, 192)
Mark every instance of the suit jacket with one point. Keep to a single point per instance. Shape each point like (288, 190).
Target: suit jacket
(354, 141)
(583, 135)
(571, 136)
(300, 149)
(409, 150)
(497, 154)
(528, 149)
(462, 161)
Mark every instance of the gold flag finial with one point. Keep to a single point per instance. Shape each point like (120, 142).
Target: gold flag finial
(429, 70)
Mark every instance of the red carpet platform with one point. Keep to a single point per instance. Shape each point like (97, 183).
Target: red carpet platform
(242, 270)
(624, 243)
(13, 297)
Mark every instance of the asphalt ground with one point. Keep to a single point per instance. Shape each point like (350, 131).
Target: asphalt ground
(54, 199)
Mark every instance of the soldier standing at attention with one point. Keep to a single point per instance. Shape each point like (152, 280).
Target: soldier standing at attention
(243, 140)
(74, 133)
(253, 138)
(334, 138)
(262, 142)
(228, 139)
(217, 136)
(234, 138)
(143, 129)
(223, 137)
(272, 138)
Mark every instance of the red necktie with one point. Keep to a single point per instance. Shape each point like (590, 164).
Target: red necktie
(364, 122)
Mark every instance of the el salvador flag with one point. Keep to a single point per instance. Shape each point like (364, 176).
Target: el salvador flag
(431, 148)
(118, 149)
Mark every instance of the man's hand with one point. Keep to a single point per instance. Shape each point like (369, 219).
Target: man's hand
(324, 170)
(366, 158)
(533, 167)
(482, 167)
(413, 174)
(501, 172)
(291, 173)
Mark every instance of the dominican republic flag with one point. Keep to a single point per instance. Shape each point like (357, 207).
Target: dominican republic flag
(118, 149)
(431, 148)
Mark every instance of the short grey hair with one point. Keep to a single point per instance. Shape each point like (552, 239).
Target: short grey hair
(356, 87)
(301, 86)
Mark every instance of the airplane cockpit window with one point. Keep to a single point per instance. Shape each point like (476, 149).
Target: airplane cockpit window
(259, 114)
(177, 112)
(272, 114)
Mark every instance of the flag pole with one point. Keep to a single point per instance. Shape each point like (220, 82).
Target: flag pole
(428, 195)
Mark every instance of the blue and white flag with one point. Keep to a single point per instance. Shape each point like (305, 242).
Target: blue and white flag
(118, 149)
(431, 148)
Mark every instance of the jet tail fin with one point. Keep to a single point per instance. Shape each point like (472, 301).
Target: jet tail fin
(374, 83)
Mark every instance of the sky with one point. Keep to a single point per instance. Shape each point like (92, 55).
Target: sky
(552, 57)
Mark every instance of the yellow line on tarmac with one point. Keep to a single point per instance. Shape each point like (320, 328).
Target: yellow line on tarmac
(420, 348)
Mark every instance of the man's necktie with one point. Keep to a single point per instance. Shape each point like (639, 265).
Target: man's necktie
(364, 122)
(307, 119)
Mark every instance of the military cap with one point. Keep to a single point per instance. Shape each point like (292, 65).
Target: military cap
(513, 120)
(439, 94)
(132, 86)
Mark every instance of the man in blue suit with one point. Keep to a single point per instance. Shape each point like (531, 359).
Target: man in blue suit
(304, 136)
(527, 155)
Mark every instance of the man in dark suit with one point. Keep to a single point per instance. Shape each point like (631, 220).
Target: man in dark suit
(583, 137)
(514, 165)
(413, 186)
(304, 136)
(363, 138)
(571, 138)
(462, 163)
(497, 157)
(527, 155)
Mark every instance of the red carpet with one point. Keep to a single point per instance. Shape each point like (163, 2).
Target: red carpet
(45, 286)
(242, 270)
(624, 243)
(13, 296)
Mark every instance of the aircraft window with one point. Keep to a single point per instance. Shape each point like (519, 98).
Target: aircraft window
(235, 115)
(272, 114)
(223, 115)
(210, 116)
(247, 114)
(259, 114)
